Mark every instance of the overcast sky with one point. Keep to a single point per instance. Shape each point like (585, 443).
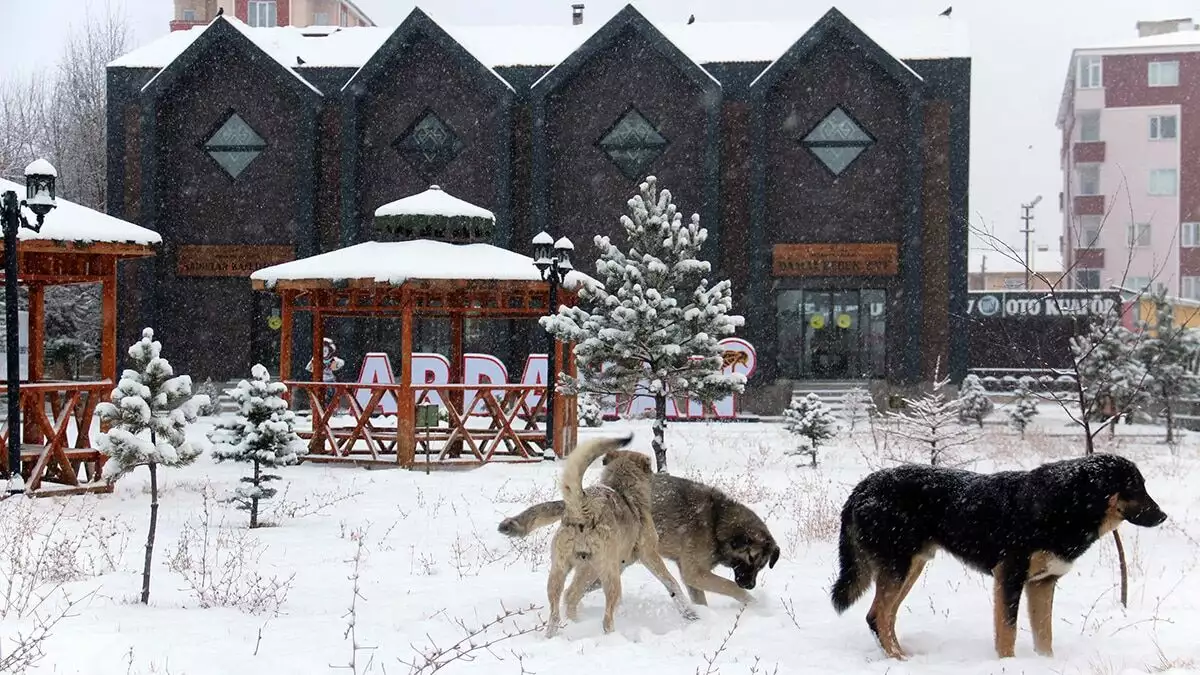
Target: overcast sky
(1020, 50)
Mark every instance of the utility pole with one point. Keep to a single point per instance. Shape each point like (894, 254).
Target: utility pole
(1027, 216)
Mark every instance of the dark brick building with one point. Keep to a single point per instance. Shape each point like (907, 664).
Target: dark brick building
(830, 169)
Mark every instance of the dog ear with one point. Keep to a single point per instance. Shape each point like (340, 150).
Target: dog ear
(608, 457)
(774, 557)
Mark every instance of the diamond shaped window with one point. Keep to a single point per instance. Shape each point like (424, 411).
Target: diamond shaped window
(429, 144)
(633, 144)
(837, 141)
(234, 145)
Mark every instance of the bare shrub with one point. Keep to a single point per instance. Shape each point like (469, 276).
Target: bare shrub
(220, 565)
(42, 549)
(814, 514)
(314, 504)
(26, 647)
(476, 640)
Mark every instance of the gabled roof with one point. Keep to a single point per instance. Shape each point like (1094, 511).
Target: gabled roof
(230, 31)
(71, 223)
(704, 42)
(834, 22)
(626, 19)
(416, 24)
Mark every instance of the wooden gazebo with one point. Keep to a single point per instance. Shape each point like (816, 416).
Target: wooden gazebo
(76, 245)
(413, 280)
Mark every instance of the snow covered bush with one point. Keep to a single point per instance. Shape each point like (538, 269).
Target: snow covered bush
(973, 401)
(652, 329)
(149, 413)
(261, 433)
(932, 423)
(812, 422)
(591, 414)
(857, 405)
(1022, 409)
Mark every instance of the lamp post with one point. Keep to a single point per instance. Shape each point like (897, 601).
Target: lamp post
(553, 260)
(39, 198)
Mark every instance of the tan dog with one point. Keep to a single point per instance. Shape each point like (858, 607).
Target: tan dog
(604, 527)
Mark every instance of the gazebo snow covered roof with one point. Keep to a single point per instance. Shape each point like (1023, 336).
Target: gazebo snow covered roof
(395, 262)
(435, 214)
(74, 225)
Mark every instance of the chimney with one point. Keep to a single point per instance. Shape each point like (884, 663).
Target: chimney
(577, 14)
(1148, 28)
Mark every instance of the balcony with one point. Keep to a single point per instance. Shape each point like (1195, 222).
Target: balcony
(1088, 152)
(1089, 205)
(1089, 258)
(185, 24)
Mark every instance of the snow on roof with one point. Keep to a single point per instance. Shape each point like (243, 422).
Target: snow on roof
(433, 202)
(1184, 40)
(395, 262)
(549, 45)
(72, 223)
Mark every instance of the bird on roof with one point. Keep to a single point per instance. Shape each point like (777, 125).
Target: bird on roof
(220, 11)
(947, 12)
(691, 19)
(299, 61)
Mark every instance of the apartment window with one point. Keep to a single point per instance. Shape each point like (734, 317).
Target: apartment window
(1138, 284)
(321, 19)
(1164, 182)
(1089, 179)
(1090, 72)
(1164, 74)
(1087, 279)
(261, 13)
(1189, 288)
(344, 17)
(1089, 231)
(1189, 234)
(1164, 127)
(189, 15)
(1089, 126)
(1139, 234)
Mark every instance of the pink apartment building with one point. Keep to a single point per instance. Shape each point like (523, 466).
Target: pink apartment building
(1130, 119)
(270, 13)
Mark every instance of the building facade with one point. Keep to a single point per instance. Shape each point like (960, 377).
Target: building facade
(830, 170)
(270, 13)
(1131, 162)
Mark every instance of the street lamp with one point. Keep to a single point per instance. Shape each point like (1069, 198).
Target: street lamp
(553, 260)
(39, 198)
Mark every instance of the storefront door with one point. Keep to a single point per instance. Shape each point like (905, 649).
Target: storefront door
(831, 334)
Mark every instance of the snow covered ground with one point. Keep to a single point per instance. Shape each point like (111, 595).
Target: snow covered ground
(432, 568)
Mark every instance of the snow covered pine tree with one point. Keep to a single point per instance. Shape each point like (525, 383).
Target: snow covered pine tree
(973, 401)
(261, 433)
(1022, 409)
(932, 423)
(1167, 353)
(656, 318)
(149, 413)
(812, 421)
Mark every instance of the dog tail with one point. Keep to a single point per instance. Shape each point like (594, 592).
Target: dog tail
(854, 578)
(577, 464)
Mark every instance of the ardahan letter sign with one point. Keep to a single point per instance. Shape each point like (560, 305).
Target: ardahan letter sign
(484, 369)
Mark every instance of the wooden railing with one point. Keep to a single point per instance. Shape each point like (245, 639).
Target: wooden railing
(56, 447)
(369, 423)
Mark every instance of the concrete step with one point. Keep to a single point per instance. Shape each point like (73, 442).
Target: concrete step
(830, 391)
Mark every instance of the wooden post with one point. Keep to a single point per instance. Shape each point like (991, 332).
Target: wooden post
(556, 368)
(108, 326)
(318, 336)
(285, 336)
(456, 373)
(37, 361)
(406, 410)
(37, 332)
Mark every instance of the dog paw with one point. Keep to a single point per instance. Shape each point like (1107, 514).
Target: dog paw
(551, 630)
(690, 614)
